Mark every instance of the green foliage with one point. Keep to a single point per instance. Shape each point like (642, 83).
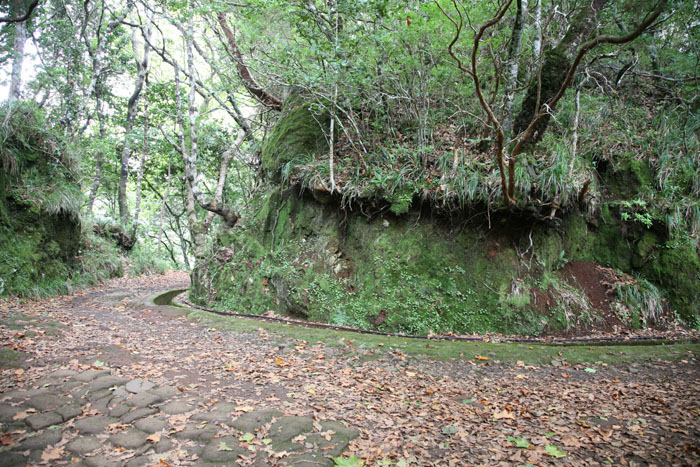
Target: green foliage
(99, 259)
(35, 168)
(143, 261)
(643, 302)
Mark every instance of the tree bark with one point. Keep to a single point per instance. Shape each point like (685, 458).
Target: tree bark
(132, 107)
(162, 208)
(552, 74)
(249, 82)
(537, 26)
(198, 228)
(20, 38)
(513, 62)
(142, 162)
(215, 205)
(99, 157)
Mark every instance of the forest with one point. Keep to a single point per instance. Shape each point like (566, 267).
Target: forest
(349, 232)
(417, 167)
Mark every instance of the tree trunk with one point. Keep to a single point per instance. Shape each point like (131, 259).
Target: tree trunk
(162, 208)
(552, 74)
(142, 162)
(215, 205)
(99, 157)
(132, 107)
(249, 82)
(513, 61)
(537, 26)
(17, 55)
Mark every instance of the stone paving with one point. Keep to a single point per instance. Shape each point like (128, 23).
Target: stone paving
(95, 418)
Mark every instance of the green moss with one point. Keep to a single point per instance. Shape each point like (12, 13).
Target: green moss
(299, 133)
(10, 358)
(628, 177)
(610, 246)
(677, 268)
(375, 346)
(39, 252)
(401, 274)
(644, 249)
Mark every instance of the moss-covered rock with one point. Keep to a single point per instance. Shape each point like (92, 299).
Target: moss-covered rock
(416, 273)
(298, 133)
(675, 265)
(380, 261)
(40, 228)
(300, 257)
(39, 249)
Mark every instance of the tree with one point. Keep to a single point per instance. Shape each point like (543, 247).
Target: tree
(554, 77)
(141, 59)
(19, 14)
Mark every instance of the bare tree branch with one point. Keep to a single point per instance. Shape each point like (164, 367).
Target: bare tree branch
(248, 81)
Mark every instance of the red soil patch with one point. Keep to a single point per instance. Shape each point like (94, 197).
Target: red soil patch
(597, 282)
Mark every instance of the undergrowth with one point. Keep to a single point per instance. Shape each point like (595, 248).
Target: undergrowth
(35, 167)
(142, 261)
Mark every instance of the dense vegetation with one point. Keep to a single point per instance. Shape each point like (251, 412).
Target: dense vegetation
(447, 166)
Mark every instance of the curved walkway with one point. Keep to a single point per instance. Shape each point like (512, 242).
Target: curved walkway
(106, 378)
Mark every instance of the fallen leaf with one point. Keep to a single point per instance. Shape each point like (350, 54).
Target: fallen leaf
(555, 451)
(247, 438)
(224, 447)
(7, 440)
(481, 357)
(178, 428)
(51, 454)
(519, 442)
(280, 362)
(23, 415)
(154, 438)
(503, 414)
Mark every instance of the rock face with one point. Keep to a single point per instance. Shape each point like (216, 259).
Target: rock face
(391, 262)
(40, 247)
(418, 273)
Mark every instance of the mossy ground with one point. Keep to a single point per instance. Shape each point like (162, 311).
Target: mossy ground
(449, 350)
(11, 358)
